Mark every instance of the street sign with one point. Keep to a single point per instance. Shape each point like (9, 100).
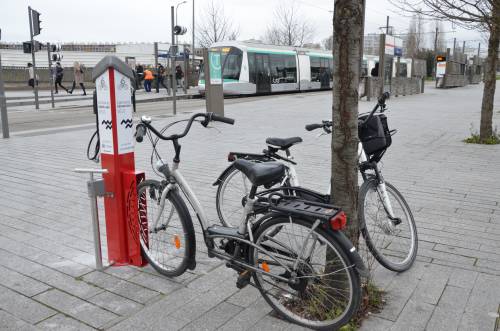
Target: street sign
(215, 65)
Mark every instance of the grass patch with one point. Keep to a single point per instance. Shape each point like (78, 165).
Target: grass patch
(474, 139)
(372, 302)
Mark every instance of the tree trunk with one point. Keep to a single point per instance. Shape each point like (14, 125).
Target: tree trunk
(490, 80)
(347, 37)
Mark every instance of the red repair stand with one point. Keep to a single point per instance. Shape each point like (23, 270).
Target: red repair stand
(113, 78)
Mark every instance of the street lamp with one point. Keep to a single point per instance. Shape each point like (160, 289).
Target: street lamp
(176, 10)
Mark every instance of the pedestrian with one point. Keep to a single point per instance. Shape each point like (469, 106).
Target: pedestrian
(178, 76)
(148, 79)
(374, 72)
(78, 71)
(31, 79)
(161, 72)
(140, 74)
(59, 73)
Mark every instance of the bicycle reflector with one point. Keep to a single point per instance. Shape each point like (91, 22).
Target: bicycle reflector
(339, 221)
(231, 157)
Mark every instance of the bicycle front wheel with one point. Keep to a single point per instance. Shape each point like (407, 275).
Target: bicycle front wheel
(393, 243)
(326, 291)
(166, 233)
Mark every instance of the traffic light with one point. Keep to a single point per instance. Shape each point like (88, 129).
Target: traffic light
(35, 17)
(179, 30)
(27, 47)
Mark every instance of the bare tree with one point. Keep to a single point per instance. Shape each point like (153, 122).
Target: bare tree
(289, 28)
(482, 15)
(347, 43)
(415, 39)
(441, 40)
(215, 26)
(328, 43)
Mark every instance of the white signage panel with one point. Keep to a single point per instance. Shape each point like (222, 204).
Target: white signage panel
(440, 69)
(104, 114)
(389, 45)
(124, 118)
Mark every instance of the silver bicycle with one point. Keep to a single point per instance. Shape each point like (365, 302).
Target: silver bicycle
(295, 254)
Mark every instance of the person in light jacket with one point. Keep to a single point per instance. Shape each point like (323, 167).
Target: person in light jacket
(78, 71)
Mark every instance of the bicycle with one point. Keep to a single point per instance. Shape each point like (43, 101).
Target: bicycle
(386, 221)
(300, 261)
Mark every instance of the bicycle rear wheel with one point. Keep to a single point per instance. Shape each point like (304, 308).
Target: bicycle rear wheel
(327, 292)
(167, 244)
(393, 245)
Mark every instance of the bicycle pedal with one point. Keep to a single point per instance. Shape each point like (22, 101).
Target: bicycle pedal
(243, 279)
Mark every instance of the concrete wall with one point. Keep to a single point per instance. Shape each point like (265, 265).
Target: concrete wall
(456, 70)
(400, 86)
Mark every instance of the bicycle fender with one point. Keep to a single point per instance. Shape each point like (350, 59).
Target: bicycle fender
(351, 251)
(222, 175)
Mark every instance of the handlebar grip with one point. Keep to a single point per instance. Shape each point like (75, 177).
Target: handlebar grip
(140, 132)
(310, 127)
(222, 119)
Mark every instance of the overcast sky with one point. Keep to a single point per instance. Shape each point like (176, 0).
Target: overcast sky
(149, 20)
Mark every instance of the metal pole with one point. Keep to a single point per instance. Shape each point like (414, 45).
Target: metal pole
(51, 76)
(435, 54)
(172, 60)
(176, 37)
(192, 47)
(156, 67)
(35, 86)
(186, 68)
(463, 47)
(454, 46)
(387, 26)
(3, 105)
(478, 50)
(95, 224)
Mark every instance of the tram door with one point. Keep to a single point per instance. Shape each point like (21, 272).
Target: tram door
(263, 73)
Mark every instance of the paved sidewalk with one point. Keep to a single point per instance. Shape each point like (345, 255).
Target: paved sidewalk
(47, 279)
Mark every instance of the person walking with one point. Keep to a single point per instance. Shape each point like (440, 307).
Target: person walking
(161, 72)
(78, 71)
(31, 73)
(148, 79)
(178, 76)
(139, 69)
(59, 73)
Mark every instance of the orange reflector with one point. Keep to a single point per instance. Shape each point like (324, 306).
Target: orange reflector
(265, 266)
(339, 221)
(177, 242)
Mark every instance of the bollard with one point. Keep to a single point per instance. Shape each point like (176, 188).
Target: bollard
(96, 189)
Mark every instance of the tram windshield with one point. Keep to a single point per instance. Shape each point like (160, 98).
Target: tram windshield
(231, 58)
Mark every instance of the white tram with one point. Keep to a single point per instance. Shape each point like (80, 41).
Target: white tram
(251, 68)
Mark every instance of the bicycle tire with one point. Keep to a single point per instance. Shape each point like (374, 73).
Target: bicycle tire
(187, 230)
(221, 198)
(370, 236)
(351, 278)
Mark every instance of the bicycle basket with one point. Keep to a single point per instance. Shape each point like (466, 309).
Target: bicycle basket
(374, 134)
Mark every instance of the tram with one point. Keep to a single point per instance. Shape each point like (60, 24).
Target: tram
(252, 68)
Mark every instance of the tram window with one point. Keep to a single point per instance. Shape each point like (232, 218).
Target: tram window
(232, 64)
(283, 68)
(320, 66)
(315, 68)
(251, 67)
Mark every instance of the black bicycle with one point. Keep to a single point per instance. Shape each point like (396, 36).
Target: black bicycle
(386, 221)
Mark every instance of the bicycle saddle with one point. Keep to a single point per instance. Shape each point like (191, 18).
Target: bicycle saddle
(260, 173)
(283, 143)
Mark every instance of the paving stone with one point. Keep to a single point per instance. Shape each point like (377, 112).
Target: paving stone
(432, 284)
(245, 297)
(479, 322)
(76, 308)
(124, 288)
(61, 322)
(214, 318)
(444, 320)
(414, 316)
(10, 322)
(374, 323)
(454, 298)
(115, 303)
(20, 283)
(247, 317)
(462, 278)
(22, 307)
(269, 322)
(156, 283)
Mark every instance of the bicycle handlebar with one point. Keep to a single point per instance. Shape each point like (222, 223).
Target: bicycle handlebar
(208, 117)
(311, 127)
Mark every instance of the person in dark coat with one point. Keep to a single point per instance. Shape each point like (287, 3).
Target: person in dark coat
(160, 76)
(374, 72)
(178, 76)
(59, 73)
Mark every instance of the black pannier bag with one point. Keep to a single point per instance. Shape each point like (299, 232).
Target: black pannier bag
(374, 134)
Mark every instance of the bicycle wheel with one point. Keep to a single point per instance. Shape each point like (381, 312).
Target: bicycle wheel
(327, 292)
(393, 245)
(234, 187)
(168, 244)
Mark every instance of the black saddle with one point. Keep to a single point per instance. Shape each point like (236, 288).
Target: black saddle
(283, 143)
(260, 173)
